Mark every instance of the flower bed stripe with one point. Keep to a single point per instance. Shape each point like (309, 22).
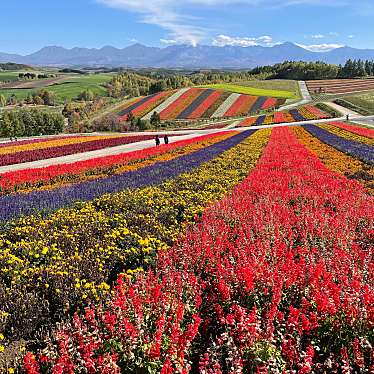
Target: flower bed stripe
(225, 106)
(363, 131)
(69, 149)
(15, 149)
(205, 105)
(258, 104)
(168, 102)
(21, 180)
(35, 141)
(133, 106)
(247, 105)
(234, 109)
(13, 206)
(347, 134)
(260, 120)
(338, 161)
(296, 115)
(248, 122)
(177, 106)
(361, 151)
(186, 113)
(270, 103)
(150, 104)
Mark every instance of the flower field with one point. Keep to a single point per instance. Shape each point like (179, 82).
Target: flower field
(34, 151)
(232, 252)
(193, 103)
(306, 113)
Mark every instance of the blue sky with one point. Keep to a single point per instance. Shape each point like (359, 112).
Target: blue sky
(26, 26)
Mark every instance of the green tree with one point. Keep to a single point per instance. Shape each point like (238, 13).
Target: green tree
(6, 128)
(86, 95)
(155, 119)
(2, 101)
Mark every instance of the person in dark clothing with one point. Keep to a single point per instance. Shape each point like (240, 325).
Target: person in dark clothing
(347, 117)
(166, 139)
(157, 139)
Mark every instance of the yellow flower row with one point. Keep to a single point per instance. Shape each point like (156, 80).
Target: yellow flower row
(338, 161)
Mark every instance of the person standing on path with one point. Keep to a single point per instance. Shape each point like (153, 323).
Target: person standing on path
(347, 116)
(157, 139)
(166, 139)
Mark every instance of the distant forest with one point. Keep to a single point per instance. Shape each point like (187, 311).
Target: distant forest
(136, 83)
(316, 70)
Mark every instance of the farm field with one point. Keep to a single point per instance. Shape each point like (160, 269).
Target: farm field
(255, 90)
(194, 103)
(305, 113)
(337, 86)
(6, 76)
(363, 101)
(275, 84)
(68, 89)
(160, 258)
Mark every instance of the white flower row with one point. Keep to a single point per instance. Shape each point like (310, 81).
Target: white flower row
(169, 101)
(226, 105)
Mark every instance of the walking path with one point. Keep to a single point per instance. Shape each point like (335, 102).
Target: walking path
(304, 93)
(187, 134)
(352, 115)
(343, 110)
(93, 154)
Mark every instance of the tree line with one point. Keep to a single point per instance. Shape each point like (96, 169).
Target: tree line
(299, 70)
(29, 122)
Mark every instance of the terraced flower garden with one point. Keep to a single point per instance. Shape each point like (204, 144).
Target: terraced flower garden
(193, 103)
(238, 251)
(306, 113)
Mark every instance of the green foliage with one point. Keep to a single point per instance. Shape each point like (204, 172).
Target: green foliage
(2, 101)
(316, 70)
(327, 109)
(11, 66)
(26, 122)
(86, 95)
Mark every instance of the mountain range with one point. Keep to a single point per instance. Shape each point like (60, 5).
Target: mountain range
(184, 56)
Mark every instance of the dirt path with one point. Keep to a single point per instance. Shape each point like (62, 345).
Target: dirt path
(343, 110)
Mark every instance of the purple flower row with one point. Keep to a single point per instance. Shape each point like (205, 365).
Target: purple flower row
(359, 150)
(14, 206)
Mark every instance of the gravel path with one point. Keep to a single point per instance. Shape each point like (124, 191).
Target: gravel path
(305, 94)
(226, 105)
(343, 110)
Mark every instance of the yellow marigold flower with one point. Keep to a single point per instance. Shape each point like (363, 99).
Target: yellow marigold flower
(11, 371)
(2, 348)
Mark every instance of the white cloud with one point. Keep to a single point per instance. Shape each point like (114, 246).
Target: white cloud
(174, 17)
(224, 40)
(317, 36)
(168, 41)
(320, 47)
(351, 36)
